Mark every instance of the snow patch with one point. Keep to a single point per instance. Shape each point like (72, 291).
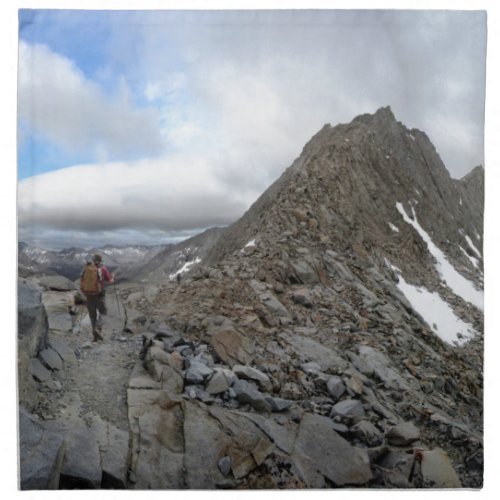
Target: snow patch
(250, 244)
(469, 242)
(458, 284)
(411, 136)
(185, 268)
(472, 259)
(393, 227)
(437, 313)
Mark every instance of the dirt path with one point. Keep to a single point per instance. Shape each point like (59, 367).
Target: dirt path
(98, 377)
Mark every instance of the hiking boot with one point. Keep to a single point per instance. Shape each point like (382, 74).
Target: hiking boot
(97, 336)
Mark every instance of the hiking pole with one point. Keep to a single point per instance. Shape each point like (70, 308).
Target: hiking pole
(116, 296)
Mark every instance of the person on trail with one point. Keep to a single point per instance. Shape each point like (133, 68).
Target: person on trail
(92, 283)
(178, 278)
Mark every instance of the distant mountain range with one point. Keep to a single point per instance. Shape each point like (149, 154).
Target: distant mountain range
(70, 261)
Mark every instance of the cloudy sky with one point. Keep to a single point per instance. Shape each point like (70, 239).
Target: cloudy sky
(149, 126)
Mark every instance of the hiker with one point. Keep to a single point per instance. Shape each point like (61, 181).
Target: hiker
(178, 278)
(92, 281)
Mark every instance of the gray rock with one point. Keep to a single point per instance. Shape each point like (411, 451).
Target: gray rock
(278, 404)
(218, 383)
(311, 368)
(371, 361)
(249, 373)
(246, 393)
(157, 439)
(204, 445)
(336, 268)
(319, 451)
(349, 408)
(310, 350)
(403, 434)
(39, 372)
(31, 338)
(224, 465)
(283, 436)
(304, 271)
(57, 282)
(232, 347)
(273, 304)
(303, 297)
(367, 433)
(114, 449)
(66, 354)
(51, 359)
(57, 305)
(250, 446)
(335, 387)
(81, 467)
(437, 470)
(41, 452)
(197, 372)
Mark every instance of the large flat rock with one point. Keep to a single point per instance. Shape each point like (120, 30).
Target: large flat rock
(41, 452)
(320, 450)
(310, 350)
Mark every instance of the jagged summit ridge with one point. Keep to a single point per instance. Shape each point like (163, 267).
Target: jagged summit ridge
(346, 184)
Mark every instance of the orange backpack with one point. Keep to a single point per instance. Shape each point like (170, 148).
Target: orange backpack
(90, 283)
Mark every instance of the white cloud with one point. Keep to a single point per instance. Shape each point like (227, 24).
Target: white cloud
(175, 194)
(57, 102)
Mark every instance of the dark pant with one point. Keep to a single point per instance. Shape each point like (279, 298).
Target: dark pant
(95, 304)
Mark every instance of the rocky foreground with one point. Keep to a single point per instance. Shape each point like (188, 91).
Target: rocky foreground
(177, 399)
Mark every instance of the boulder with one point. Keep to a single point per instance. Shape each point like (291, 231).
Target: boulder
(32, 330)
(310, 350)
(304, 271)
(219, 382)
(349, 408)
(246, 393)
(51, 359)
(249, 373)
(205, 445)
(81, 468)
(65, 353)
(274, 305)
(57, 283)
(57, 305)
(373, 362)
(248, 446)
(197, 372)
(366, 432)
(311, 368)
(335, 387)
(403, 434)
(283, 436)
(320, 452)
(114, 449)
(39, 372)
(232, 347)
(437, 470)
(278, 404)
(41, 453)
(303, 297)
(157, 439)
